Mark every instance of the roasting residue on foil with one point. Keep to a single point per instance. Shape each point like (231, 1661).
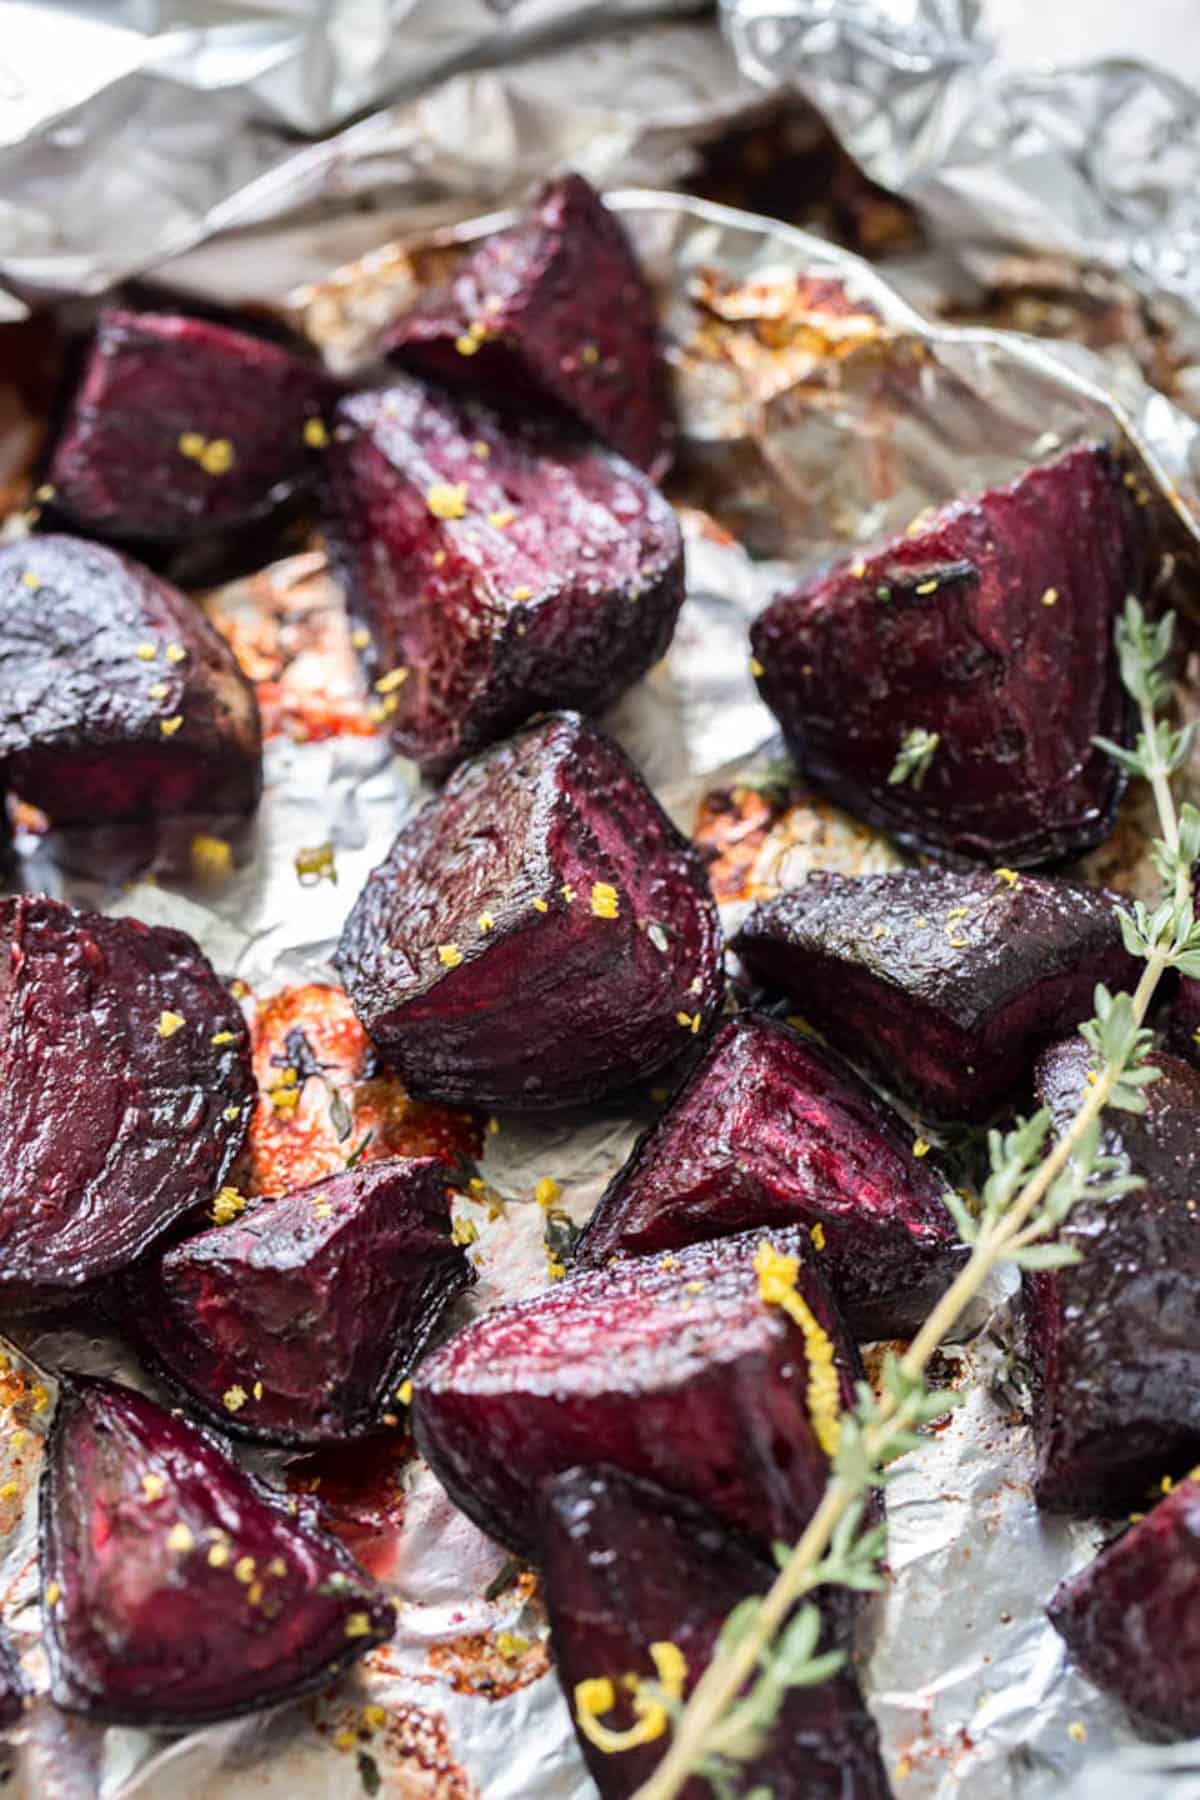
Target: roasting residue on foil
(818, 411)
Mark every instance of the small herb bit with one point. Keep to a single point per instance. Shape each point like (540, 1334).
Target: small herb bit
(169, 1023)
(356, 1154)
(368, 1771)
(916, 752)
(447, 500)
(340, 1116)
(606, 902)
(450, 955)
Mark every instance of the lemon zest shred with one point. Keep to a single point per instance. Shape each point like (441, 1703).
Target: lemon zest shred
(777, 1286)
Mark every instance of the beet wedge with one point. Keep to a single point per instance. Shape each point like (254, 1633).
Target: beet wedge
(125, 1087)
(181, 429)
(628, 1565)
(553, 313)
(496, 574)
(944, 983)
(674, 1368)
(294, 1322)
(118, 699)
(12, 1686)
(1131, 1618)
(991, 627)
(540, 935)
(1113, 1343)
(772, 1130)
(177, 1589)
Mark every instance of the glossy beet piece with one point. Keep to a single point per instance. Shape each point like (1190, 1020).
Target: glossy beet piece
(118, 699)
(12, 1687)
(1113, 1343)
(944, 983)
(1131, 1618)
(553, 313)
(1183, 1020)
(306, 1310)
(992, 625)
(703, 1387)
(540, 935)
(124, 1089)
(181, 429)
(176, 1588)
(772, 1130)
(556, 581)
(628, 1565)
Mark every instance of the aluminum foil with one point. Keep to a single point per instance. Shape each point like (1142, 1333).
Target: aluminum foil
(818, 410)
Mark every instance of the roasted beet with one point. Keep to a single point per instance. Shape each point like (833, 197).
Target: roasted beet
(1183, 1020)
(124, 1089)
(1113, 1345)
(991, 626)
(628, 1565)
(943, 982)
(117, 697)
(498, 575)
(772, 1130)
(553, 312)
(294, 1321)
(539, 935)
(1131, 1618)
(12, 1687)
(672, 1368)
(176, 1588)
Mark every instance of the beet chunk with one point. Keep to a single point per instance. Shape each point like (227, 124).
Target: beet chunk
(992, 626)
(118, 699)
(704, 1387)
(176, 1588)
(540, 934)
(308, 1309)
(628, 1565)
(125, 1086)
(772, 1130)
(182, 429)
(1131, 1618)
(12, 1686)
(1183, 1020)
(1113, 1341)
(553, 312)
(943, 982)
(498, 575)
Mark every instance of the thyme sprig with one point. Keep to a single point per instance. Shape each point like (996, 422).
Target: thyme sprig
(914, 756)
(771, 1643)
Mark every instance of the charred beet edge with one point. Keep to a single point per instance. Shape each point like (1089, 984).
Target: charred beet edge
(498, 574)
(553, 312)
(772, 1130)
(180, 429)
(1131, 1619)
(176, 1588)
(12, 1686)
(991, 625)
(628, 1565)
(125, 1085)
(1112, 1341)
(117, 697)
(540, 935)
(704, 1388)
(309, 1309)
(944, 983)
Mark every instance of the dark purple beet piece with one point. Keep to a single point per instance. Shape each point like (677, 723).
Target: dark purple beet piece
(177, 1589)
(553, 312)
(944, 983)
(772, 1130)
(540, 935)
(1183, 1020)
(498, 574)
(672, 1368)
(182, 429)
(125, 1087)
(1113, 1344)
(12, 1687)
(1131, 1618)
(118, 699)
(628, 1565)
(992, 625)
(306, 1310)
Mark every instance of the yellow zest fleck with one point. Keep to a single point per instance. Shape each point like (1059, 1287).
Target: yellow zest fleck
(40, 1397)
(258, 1390)
(756, 668)
(231, 1114)
(486, 921)
(903, 1768)
(465, 344)
(277, 1566)
(387, 684)
(176, 653)
(358, 1625)
(217, 457)
(1010, 875)
(53, 1590)
(1166, 1484)
(158, 690)
(1077, 1731)
(438, 558)
(511, 1644)
(212, 857)
(540, 905)
(315, 434)
(345, 1740)
(222, 1037)
(555, 1271)
(666, 1262)
(147, 652)
(360, 637)
(817, 1234)
(957, 912)
(606, 902)
(179, 1538)
(1091, 1077)
(599, 1695)
(547, 1191)
(31, 581)
(493, 1127)
(315, 864)
(375, 1717)
(464, 1231)
(45, 492)
(404, 1392)
(233, 1399)
(170, 726)
(169, 1023)
(447, 500)
(567, 892)
(590, 355)
(254, 1592)
(1050, 597)
(522, 593)
(243, 1570)
(922, 921)
(9, 1491)
(479, 448)
(283, 1098)
(777, 1287)
(218, 1556)
(154, 1486)
(17, 1438)
(502, 517)
(450, 955)
(190, 443)
(927, 587)
(322, 1210)
(693, 1287)
(920, 1147)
